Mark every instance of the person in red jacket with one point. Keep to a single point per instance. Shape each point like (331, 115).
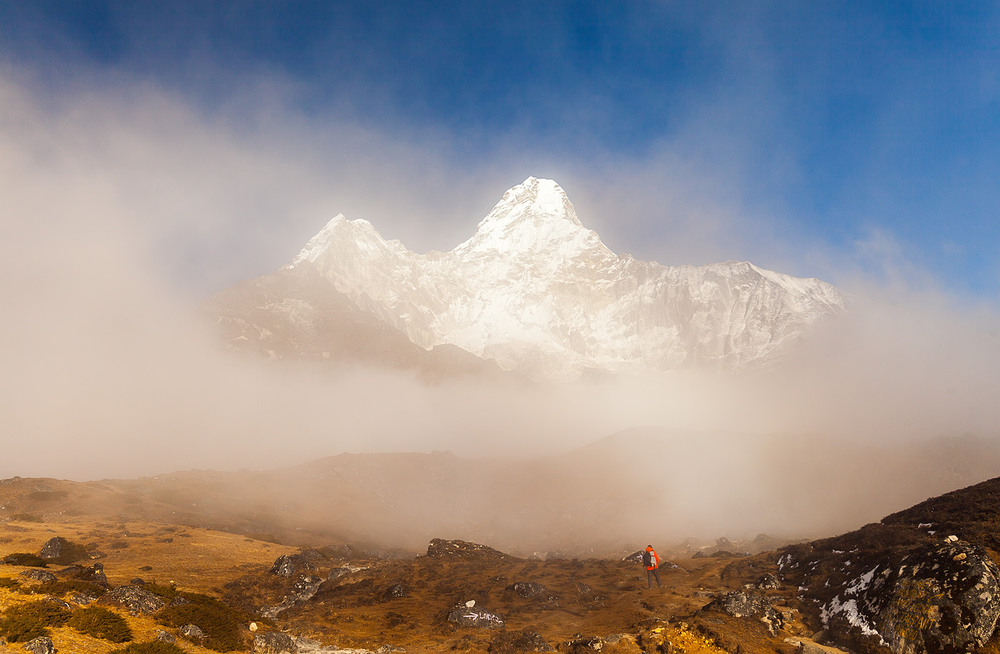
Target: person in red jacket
(652, 563)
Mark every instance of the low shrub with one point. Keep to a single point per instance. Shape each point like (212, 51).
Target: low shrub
(24, 622)
(6, 582)
(154, 647)
(220, 623)
(26, 560)
(100, 622)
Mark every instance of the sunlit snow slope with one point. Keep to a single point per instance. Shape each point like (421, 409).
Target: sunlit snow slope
(538, 292)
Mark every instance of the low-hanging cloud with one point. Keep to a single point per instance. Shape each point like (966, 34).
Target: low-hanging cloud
(120, 210)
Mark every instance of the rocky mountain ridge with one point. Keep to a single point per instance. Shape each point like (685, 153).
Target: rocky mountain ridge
(537, 292)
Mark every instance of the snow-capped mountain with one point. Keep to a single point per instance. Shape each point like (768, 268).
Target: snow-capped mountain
(538, 292)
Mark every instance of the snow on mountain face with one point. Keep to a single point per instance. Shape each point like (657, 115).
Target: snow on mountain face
(538, 292)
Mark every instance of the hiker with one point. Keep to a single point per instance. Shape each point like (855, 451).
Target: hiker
(652, 563)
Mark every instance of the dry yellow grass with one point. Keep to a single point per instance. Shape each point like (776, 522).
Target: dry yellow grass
(193, 559)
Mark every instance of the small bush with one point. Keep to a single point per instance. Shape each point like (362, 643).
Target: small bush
(30, 620)
(25, 559)
(155, 647)
(100, 622)
(6, 582)
(26, 517)
(220, 623)
(118, 545)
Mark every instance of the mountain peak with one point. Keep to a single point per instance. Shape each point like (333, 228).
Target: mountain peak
(533, 216)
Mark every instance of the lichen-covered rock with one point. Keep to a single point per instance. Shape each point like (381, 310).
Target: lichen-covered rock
(740, 604)
(137, 600)
(53, 548)
(191, 631)
(462, 549)
(273, 642)
(940, 600)
(39, 575)
(40, 645)
(474, 616)
(287, 565)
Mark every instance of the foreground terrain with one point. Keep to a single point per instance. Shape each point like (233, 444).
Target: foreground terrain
(921, 580)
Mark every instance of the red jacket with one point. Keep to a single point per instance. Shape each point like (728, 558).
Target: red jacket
(654, 560)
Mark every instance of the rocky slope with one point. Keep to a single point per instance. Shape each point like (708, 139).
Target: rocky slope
(537, 292)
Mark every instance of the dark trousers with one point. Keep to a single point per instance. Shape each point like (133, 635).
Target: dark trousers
(655, 572)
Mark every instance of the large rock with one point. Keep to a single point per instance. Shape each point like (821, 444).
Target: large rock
(40, 645)
(740, 604)
(939, 600)
(475, 616)
(137, 600)
(462, 549)
(39, 575)
(273, 642)
(287, 565)
(53, 548)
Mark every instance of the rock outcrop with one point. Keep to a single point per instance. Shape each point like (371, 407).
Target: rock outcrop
(462, 549)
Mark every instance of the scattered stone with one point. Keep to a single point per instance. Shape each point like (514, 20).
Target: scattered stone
(585, 644)
(39, 575)
(527, 589)
(165, 637)
(462, 549)
(191, 631)
(137, 600)
(81, 599)
(480, 618)
(394, 592)
(337, 573)
(274, 642)
(768, 582)
(40, 645)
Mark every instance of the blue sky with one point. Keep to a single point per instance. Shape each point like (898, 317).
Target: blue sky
(840, 140)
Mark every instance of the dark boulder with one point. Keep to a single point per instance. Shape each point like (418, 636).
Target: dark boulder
(943, 599)
(53, 548)
(274, 642)
(439, 547)
(165, 637)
